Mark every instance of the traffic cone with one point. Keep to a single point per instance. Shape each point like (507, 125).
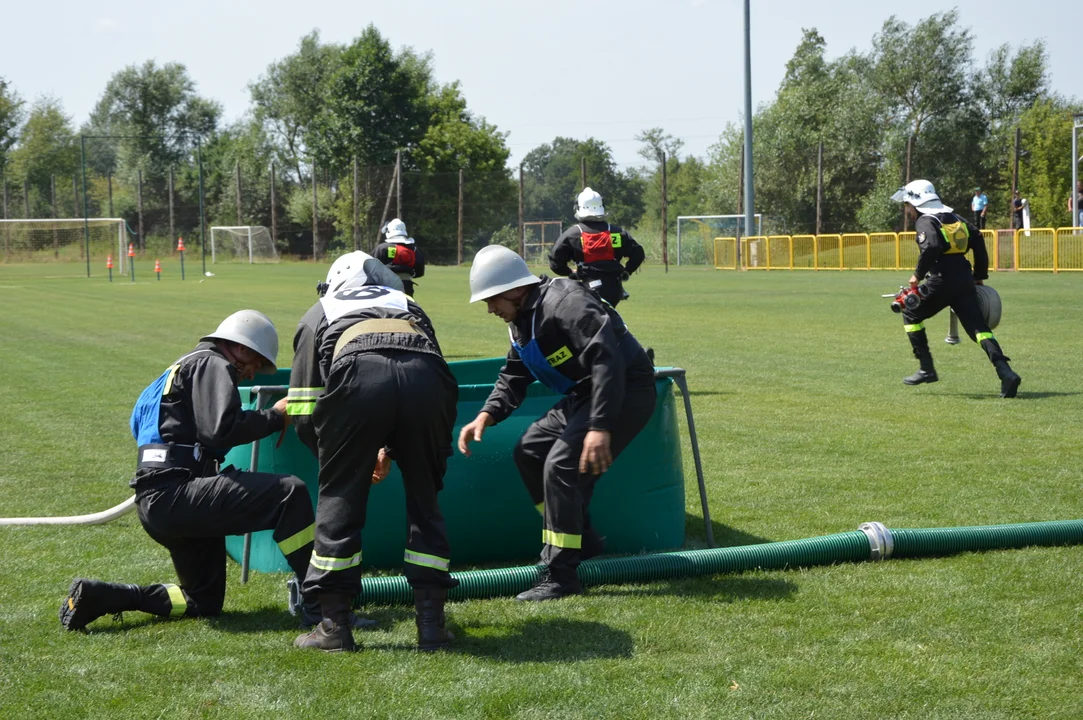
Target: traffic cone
(180, 244)
(109, 266)
(131, 250)
(158, 267)
(131, 260)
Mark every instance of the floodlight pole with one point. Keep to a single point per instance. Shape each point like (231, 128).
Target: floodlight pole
(86, 211)
(1077, 123)
(750, 204)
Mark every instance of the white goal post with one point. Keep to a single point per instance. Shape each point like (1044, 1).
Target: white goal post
(701, 230)
(232, 243)
(63, 239)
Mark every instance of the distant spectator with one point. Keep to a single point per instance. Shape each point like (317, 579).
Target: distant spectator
(979, 203)
(1017, 211)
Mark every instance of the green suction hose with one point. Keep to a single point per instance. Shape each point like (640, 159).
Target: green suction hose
(872, 541)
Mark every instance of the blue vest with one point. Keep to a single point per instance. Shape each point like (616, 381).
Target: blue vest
(147, 411)
(539, 365)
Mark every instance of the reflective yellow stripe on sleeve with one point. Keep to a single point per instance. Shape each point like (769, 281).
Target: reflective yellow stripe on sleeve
(302, 401)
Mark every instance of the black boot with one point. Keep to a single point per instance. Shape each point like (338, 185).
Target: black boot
(432, 633)
(310, 612)
(1009, 381)
(554, 583)
(926, 372)
(921, 376)
(333, 633)
(88, 600)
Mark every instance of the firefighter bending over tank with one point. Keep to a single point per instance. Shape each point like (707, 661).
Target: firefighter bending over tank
(563, 336)
(369, 384)
(399, 252)
(597, 248)
(943, 240)
(184, 423)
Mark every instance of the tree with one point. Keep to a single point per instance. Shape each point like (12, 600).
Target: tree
(46, 148)
(552, 181)
(11, 115)
(1046, 172)
(292, 94)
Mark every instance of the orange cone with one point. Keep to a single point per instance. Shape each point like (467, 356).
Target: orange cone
(109, 262)
(131, 250)
(157, 265)
(180, 244)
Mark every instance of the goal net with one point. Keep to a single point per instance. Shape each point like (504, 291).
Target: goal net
(62, 240)
(696, 235)
(539, 236)
(242, 243)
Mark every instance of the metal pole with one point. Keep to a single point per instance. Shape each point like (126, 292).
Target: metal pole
(459, 256)
(1015, 177)
(139, 202)
(202, 217)
(1075, 169)
(740, 206)
(237, 169)
(274, 214)
(56, 235)
(315, 218)
(819, 186)
(665, 217)
(750, 202)
(909, 150)
(86, 212)
(356, 208)
(172, 223)
(398, 184)
(522, 228)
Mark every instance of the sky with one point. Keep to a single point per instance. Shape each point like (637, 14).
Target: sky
(607, 69)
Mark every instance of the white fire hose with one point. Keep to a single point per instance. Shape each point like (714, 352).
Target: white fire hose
(93, 519)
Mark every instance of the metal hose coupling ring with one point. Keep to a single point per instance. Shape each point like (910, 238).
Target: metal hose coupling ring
(881, 543)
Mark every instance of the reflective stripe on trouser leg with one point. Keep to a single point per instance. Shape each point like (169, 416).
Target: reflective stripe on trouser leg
(540, 507)
(567, 541)
(425, 560)
(179, 605)
(331, 564)
(295, 542)
(917, 327)
(978, 337)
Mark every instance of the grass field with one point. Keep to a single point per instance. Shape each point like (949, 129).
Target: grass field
(805, 430)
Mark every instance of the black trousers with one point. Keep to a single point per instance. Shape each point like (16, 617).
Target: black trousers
(191, 518)
(548, 460)
(403, 400)
(960, 294)
(606, 285)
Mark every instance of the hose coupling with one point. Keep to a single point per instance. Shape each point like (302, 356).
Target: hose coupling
(881, 543)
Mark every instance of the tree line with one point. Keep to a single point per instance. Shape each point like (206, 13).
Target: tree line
(329, 124)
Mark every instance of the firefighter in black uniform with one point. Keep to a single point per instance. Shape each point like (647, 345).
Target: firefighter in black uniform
(596, 248)
(944, 239)
(369, 384)
(564, 337)
(184, 423)
(399, 252)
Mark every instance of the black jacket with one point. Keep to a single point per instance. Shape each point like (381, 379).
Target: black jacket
(604, 357)
(314, 346)
(934, 258)
(569, 248)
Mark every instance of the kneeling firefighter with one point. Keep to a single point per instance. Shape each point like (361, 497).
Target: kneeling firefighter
(597, 248)
(184, 423)
(399, 252)
(369, 384)
(563, 336)
(943, 239)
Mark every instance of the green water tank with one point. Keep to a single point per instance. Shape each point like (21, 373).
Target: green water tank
(638, 505)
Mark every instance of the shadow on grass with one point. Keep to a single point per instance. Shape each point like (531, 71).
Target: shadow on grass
(727, 589)
(724, 535)
(543, 640)
(1023, 395)
(279, 619)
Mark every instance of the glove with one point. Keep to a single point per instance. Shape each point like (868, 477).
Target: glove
(624, 276)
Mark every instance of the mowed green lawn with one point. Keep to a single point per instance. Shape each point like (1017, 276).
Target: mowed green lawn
(805, 430)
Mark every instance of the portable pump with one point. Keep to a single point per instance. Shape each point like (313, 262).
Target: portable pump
(907, 297)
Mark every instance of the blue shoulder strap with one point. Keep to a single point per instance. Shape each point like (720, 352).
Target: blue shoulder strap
(147, 410)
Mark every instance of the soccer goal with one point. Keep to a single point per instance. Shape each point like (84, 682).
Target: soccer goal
(62, 239)
(696, 234)
(239, 243)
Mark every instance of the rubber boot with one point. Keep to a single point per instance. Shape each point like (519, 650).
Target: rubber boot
(88, 600)
(926, 372)
(1009, 380)
(554, 583)
(432, 633)
(309, 611)
(333, 633)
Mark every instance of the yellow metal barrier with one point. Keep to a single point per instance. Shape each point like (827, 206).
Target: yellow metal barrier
(829, 252)
(757, 252)
(1068, 249)
(884, 251)
(780, 252)
(908, 250)
(856, 251)
(804, 252)
(1034, 249)
(725, 253)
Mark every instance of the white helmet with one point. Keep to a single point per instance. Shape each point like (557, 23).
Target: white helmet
(252, 329)
(356, 263)
(589, 205)
(395, 232)
(497, 269)
(922, 195)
